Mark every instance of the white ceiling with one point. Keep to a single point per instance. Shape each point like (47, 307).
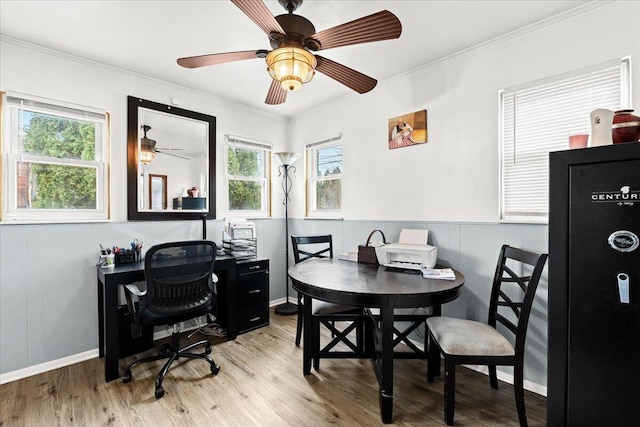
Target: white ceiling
(146, 37)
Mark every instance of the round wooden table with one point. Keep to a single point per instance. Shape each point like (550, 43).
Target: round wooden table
(372, 286)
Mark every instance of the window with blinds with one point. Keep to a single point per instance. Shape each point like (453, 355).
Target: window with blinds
(538, 118)
(247, 177)
(56, 160)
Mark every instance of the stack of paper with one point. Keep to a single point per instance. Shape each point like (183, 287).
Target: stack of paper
(438, 273)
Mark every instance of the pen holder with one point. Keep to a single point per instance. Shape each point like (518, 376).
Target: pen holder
(127, 256)
(107, 261)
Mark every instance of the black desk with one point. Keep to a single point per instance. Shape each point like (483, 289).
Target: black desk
(109, 282)
(368, 285)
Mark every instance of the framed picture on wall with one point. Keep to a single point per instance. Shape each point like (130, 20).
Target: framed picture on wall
(408, 129)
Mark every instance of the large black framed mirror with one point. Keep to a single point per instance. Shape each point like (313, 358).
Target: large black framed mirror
(178, 144)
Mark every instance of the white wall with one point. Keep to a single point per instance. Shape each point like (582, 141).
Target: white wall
(454, 177)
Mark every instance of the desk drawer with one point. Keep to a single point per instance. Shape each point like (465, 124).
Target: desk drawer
(246, 267)
(253, 295)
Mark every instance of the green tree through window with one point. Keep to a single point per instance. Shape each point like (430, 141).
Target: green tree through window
(55, 186)
(245, 169)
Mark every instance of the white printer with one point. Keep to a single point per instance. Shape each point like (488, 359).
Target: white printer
(411, 251)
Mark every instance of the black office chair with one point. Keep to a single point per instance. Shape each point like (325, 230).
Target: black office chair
(476, 343)
(180, 286)
(326, 313)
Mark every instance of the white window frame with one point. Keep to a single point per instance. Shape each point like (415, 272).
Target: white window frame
(10, 147)
(583, 90)
(311, 153)
(264, 180)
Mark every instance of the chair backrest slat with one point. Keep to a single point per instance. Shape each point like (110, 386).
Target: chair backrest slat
(503, 292)
(507, 323)
(314, 247)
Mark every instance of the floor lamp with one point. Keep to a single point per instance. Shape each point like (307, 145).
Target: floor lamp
(287, 160)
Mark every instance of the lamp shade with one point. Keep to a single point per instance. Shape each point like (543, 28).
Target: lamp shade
(146, 155)
(287, 158)
(291, 66)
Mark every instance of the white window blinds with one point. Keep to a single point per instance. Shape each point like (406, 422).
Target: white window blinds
(538, 118)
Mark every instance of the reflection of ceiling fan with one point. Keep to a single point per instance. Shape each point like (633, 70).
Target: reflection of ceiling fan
(292, 37)
(148, 148)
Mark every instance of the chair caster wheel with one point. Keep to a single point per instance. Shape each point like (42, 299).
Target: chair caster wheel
(126, 378)
(159, 392)
(215, 369)
(207, 349)
(165, 349)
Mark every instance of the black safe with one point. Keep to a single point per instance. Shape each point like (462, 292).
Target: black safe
(594, 287)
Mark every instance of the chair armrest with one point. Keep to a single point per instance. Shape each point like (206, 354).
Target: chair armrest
(134, 290)
(214, 282)
(129, 291)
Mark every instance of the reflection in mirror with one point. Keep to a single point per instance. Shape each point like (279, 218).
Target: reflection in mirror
(158, 192)
(173, 146)
(171, 162)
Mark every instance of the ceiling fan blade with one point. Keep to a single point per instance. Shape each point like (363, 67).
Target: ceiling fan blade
(259, 13)
(219, 58)
(349, 77)
(173, 155)
(382, 25)
(276, 94)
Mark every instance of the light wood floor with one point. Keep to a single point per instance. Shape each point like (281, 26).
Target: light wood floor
(260, 384)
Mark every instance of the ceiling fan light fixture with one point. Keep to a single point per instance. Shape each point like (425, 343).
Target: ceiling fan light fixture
(291, 66)
(146, 155)
(147, 152)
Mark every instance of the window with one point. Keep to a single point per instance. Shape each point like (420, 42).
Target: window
(247, 177)
(538, 118)
(324, 191)
(56, 161)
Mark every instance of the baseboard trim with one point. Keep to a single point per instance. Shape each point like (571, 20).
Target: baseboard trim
(279, 301)
(508, 378)
(47, 366)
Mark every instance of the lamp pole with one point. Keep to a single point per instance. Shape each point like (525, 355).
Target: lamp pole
(287, 308)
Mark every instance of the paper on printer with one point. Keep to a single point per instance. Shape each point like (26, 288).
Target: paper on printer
(239, 228)
(411, 251)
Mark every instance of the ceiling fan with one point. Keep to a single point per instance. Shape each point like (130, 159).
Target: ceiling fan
(293, 37)
(148, 148)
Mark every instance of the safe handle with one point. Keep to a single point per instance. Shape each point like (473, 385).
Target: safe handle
(623, 287)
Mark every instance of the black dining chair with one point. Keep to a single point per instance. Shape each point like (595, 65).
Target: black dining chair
(304, 248)
(469, 342)
(180, 286)
(325, 313)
